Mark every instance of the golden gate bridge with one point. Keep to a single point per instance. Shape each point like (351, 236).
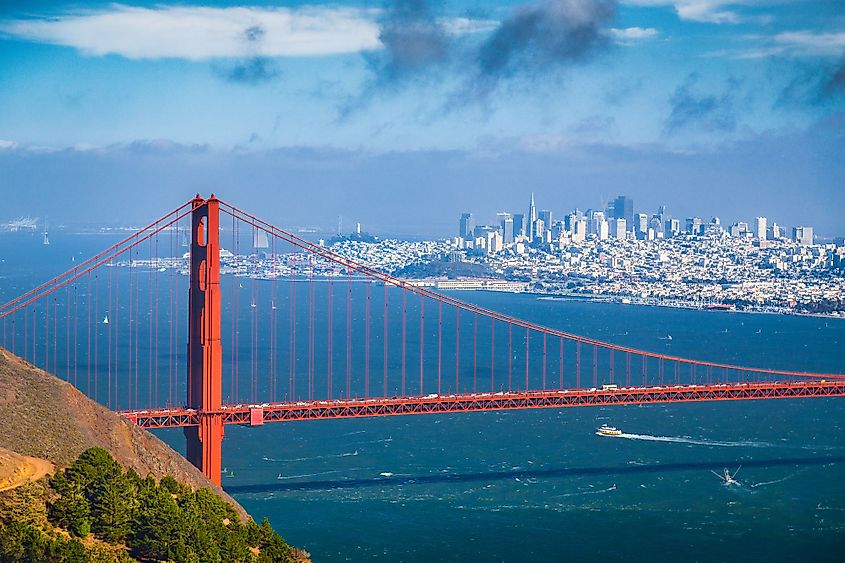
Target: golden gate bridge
(304, 333)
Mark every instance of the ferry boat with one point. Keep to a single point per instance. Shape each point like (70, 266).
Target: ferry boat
(606, 430)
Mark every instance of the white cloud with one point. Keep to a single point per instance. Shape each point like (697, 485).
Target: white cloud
(4, 144)
(463, 26)
(812, 43)
(788, 44)
(630, 34)
(200, 33)
(197, 33)
(708, 11)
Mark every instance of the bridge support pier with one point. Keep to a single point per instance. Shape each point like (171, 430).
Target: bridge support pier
(205, 356)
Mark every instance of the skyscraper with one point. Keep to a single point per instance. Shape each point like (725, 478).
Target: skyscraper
(546, 216)
(532, 210)
(760, 228)
(642, 223)
(518, 225)
(618, 228)
(803, 235)
(623, 208)
(507, 230)
(466, 226)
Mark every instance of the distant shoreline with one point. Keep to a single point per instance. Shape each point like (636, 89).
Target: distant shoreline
(619, 300)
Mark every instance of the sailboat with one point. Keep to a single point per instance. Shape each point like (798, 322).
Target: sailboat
(46, 240)
(726, 477)
(106, 320)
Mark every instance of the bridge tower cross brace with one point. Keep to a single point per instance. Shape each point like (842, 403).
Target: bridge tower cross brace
(205, 354)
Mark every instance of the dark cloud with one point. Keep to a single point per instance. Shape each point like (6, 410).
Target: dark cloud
(413, 40)
(256, 70)
(707, 112)
(814, 85)
(528, 42)
(251, 70)
(254, 34)
(835, 84)
(537, 36)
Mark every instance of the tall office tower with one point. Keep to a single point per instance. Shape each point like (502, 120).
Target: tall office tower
(738, 229)
(618, 228)
(507, 230)
(466, 226)
(532, 213)
(518, 225)
(642, 223)
(775, 231)
(579, 230)
(623, 208)
(558, 230)
(803, 235)
(602, 229)
(569, 222)
(694, 225)
(714, 227)
(546, 216)
(596, 219)
(671, 228)
(760, 228)
(539, 230)
(656, 224)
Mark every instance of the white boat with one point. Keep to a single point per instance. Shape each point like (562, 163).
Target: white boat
(106, 320)
(727, 478)
(605, 430)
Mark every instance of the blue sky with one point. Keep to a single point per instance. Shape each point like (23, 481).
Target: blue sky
(710, 106)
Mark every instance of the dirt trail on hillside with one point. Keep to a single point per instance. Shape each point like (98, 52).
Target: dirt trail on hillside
(16, 470)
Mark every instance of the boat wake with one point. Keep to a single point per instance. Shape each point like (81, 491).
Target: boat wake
(695, 442)
(790, 476)
(329, 456)
(589, 492)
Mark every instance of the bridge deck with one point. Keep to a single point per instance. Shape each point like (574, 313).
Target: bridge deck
(258, 414)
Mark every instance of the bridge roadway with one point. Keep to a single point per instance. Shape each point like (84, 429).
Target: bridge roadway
(258, 414)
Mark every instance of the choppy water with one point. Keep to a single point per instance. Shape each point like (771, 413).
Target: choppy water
(540, 485)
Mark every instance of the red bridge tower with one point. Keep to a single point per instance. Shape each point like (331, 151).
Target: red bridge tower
(205, 356)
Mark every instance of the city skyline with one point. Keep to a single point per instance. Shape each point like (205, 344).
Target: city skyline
(617, 219)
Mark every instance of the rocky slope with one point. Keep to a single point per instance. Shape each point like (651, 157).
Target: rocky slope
(44, 417)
